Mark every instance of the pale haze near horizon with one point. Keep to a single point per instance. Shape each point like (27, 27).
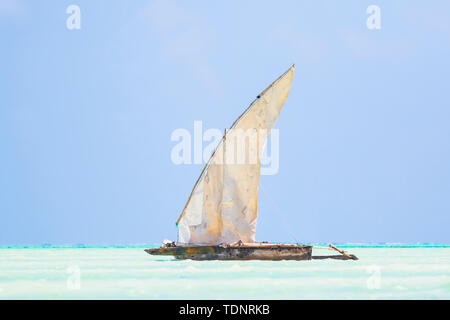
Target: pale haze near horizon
(86, 117)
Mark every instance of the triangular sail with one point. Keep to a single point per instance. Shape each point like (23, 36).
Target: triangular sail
(222, 207)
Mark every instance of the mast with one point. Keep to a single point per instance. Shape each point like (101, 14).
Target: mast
(223, 175)
(224, 137)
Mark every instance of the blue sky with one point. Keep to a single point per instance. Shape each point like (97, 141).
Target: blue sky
(86, 116)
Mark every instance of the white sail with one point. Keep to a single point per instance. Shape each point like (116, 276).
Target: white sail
(223, 205)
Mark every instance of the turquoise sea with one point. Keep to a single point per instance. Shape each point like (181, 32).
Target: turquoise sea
(384, 271)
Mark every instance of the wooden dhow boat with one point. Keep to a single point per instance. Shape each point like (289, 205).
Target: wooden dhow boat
(218, 221)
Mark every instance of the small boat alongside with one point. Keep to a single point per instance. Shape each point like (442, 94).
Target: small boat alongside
(218, 221)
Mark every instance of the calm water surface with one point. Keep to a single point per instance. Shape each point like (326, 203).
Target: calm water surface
(383, 272)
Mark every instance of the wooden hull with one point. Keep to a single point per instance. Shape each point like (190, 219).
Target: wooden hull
(242, 252)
